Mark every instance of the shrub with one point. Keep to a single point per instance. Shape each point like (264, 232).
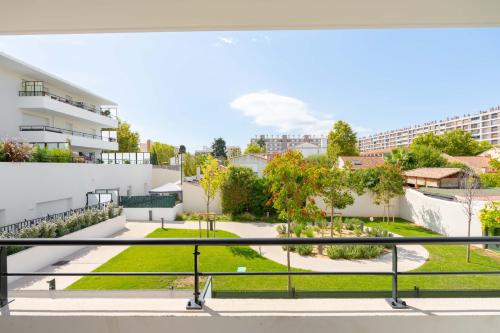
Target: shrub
(40, 154)
(309, 231)
(297, 230)
(245, 217)
(59, 228)
(13, 151)
(57, 155)
(281, 229)
(490, 179)
(304, 249)
(352, 251)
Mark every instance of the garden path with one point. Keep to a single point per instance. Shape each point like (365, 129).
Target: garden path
(409, 256)
(88, 259)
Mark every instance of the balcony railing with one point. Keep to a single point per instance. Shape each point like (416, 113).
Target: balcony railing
(198, 296)
(43, 128)
(103, 111)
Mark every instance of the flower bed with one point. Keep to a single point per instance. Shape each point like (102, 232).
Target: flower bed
(59, 228)
(348, 228)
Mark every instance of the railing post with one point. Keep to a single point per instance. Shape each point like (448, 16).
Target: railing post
(395, 301)
(195, 303)
(3, 277)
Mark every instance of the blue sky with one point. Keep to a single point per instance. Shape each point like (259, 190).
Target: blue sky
(187, 88)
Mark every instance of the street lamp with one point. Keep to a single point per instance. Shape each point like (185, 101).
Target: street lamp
(182, 150)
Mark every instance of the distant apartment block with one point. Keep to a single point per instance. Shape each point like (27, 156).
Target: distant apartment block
(484, 126)
(40, 108)
(282, 143)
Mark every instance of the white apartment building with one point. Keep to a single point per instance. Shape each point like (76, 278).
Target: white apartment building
(484, 126)
(282, 143)
(40, 108)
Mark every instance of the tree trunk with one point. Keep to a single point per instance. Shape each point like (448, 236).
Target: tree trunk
(331, 222)
(468, 235)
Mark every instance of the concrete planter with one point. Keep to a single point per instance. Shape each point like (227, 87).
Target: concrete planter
(38, 257)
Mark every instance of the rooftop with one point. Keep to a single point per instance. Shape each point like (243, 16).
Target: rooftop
(35, 73)
(363, 162)
(432, 173)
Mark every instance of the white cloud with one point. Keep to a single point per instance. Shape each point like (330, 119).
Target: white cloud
(284, 113)
(227, 40)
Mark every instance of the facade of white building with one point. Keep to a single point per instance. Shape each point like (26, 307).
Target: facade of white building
(40, 108)
(255, 162)
(484, 126)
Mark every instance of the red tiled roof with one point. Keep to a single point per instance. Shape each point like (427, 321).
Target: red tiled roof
(432, 173)
(363, 162)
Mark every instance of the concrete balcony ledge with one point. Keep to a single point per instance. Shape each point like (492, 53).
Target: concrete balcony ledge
(154, 311)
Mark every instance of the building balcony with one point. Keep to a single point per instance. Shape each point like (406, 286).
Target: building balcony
(44, 101)
(41, 133)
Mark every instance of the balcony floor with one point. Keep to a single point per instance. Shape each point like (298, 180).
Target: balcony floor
(151, 311)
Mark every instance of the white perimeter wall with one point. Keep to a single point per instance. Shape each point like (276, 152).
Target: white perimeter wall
(445, 217)
(363, 206)
(38, 257)
(29, 190)
(194, 200)
(142, 214)
(164, 176)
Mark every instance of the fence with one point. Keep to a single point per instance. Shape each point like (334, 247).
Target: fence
(199, 297)
(13, 228)
(148, 201)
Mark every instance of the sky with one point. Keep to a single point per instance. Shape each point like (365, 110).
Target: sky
(191, 87)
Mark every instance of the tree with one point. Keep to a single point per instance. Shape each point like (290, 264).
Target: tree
(341, 141)
(212, 180)
(292, 183)
(319, 160)
(402, 158)
(390, 185)
(490, 217)
(237, 189)
(427, 157)
(128, 141)
(469, 185)
(456, 142)
(161, 153)
(254, 148)
(219, 149)
(189, 165)
(335, 190)
(262, 144)
(430, 140)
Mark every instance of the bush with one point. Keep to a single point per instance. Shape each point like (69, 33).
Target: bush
(297, 230)
(309, 231)
(352, 251)
(59, 228)
(304, 249)
(281, 229)
(490, 179)
(13, 151)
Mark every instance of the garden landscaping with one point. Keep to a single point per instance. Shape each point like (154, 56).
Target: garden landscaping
(180, 259)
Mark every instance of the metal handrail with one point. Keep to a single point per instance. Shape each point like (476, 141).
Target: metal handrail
(45, 128)
(102, 111)
(198, 297)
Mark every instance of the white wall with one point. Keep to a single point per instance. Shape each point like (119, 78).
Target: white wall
(25, 185)
(194, 200)
(142, 214)
(363, 206)
(164, 176)
(255, 163)
(38, 257)
(445, 217)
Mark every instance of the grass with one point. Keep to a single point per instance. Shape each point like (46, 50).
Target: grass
(228, 259)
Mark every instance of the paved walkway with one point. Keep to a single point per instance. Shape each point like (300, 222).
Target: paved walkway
(409, 256)
(86, 260)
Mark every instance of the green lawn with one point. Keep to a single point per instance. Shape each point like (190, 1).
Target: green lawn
(180, 259)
